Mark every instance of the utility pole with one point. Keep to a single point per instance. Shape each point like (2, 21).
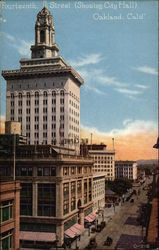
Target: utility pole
(14, 145)
(113, 142)
(91, 140)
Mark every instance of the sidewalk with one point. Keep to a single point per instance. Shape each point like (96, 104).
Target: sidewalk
(85, 237)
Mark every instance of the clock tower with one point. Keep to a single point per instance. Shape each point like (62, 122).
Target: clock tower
(45, 46)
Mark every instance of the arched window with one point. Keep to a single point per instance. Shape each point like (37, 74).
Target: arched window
(20, 95)
(45, 93)
(53, 93)
(28, 94)
(62, 93)
(36, 94)
(42, 36)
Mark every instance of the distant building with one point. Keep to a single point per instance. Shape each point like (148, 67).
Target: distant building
(9, 215)
(44, 94)
(111, 198)
(12, 127)
(103, 169)
(98, 191)
(56, 194)
(126, 169)
(104, 160)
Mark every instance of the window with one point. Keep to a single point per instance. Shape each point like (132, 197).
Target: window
(79, 186)
(73, 203)
(36, 110)
(62, 101)
(66, 207)
(45, 118)
(62, 93)
(42, 36)
(26, 199)
(66, 171)
(28, 119)
(45, 102)
(53, 101)
(6, 211)
(28, 94)
(45, 94)
(28, 111)
(20, 95)
(46, 199)
(37, 94)
(53, 93)
(73, 170)
(73, 188)
(44, 110)
(6, 240)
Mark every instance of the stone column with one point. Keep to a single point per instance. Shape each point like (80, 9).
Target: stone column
(58, 117)
(35, 199)
(60, 234)
(24, 113)
(59, 199)
(8, 100)
(82, 216)
(70, 197)
(32, 117)
(66, 117)
(15, 106)
(49, 117)
(40, 117)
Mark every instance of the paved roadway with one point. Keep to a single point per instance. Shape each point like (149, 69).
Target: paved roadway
(115, 224)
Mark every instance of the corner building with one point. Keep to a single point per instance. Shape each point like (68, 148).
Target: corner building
(56, 193)
(44, 94)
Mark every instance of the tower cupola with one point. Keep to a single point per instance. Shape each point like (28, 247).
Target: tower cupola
(45, 46)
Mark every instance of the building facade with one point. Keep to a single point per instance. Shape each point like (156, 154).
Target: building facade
(9, 215)
(57, 190)
(104, 160)
(126, 169)
(98, 191)
(44, 94)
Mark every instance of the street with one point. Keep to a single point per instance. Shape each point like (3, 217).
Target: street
(121, 226)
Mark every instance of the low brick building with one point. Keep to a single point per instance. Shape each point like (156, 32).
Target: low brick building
(9, 214)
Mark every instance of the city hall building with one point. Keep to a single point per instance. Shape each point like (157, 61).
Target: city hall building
(44, 94)
(56, 184)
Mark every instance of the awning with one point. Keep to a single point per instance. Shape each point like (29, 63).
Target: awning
(37, 236)
(74, 230)
(91, 217)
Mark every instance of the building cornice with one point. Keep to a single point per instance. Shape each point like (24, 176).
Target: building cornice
(41, 72)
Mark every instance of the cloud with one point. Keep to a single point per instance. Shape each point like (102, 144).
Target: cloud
(134, 140)
(147, 70)
(130, 127)
(22, 46)
(95, 78)
(86, 60)
(141, 86)
(95, 90)
(130, 92)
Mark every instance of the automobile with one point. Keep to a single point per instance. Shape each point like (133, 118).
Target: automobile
(92, 244)
(93, 229)
(87, 224)
(108, 241)
(99, 228)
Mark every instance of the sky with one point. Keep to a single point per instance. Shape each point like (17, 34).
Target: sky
(114, 47)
